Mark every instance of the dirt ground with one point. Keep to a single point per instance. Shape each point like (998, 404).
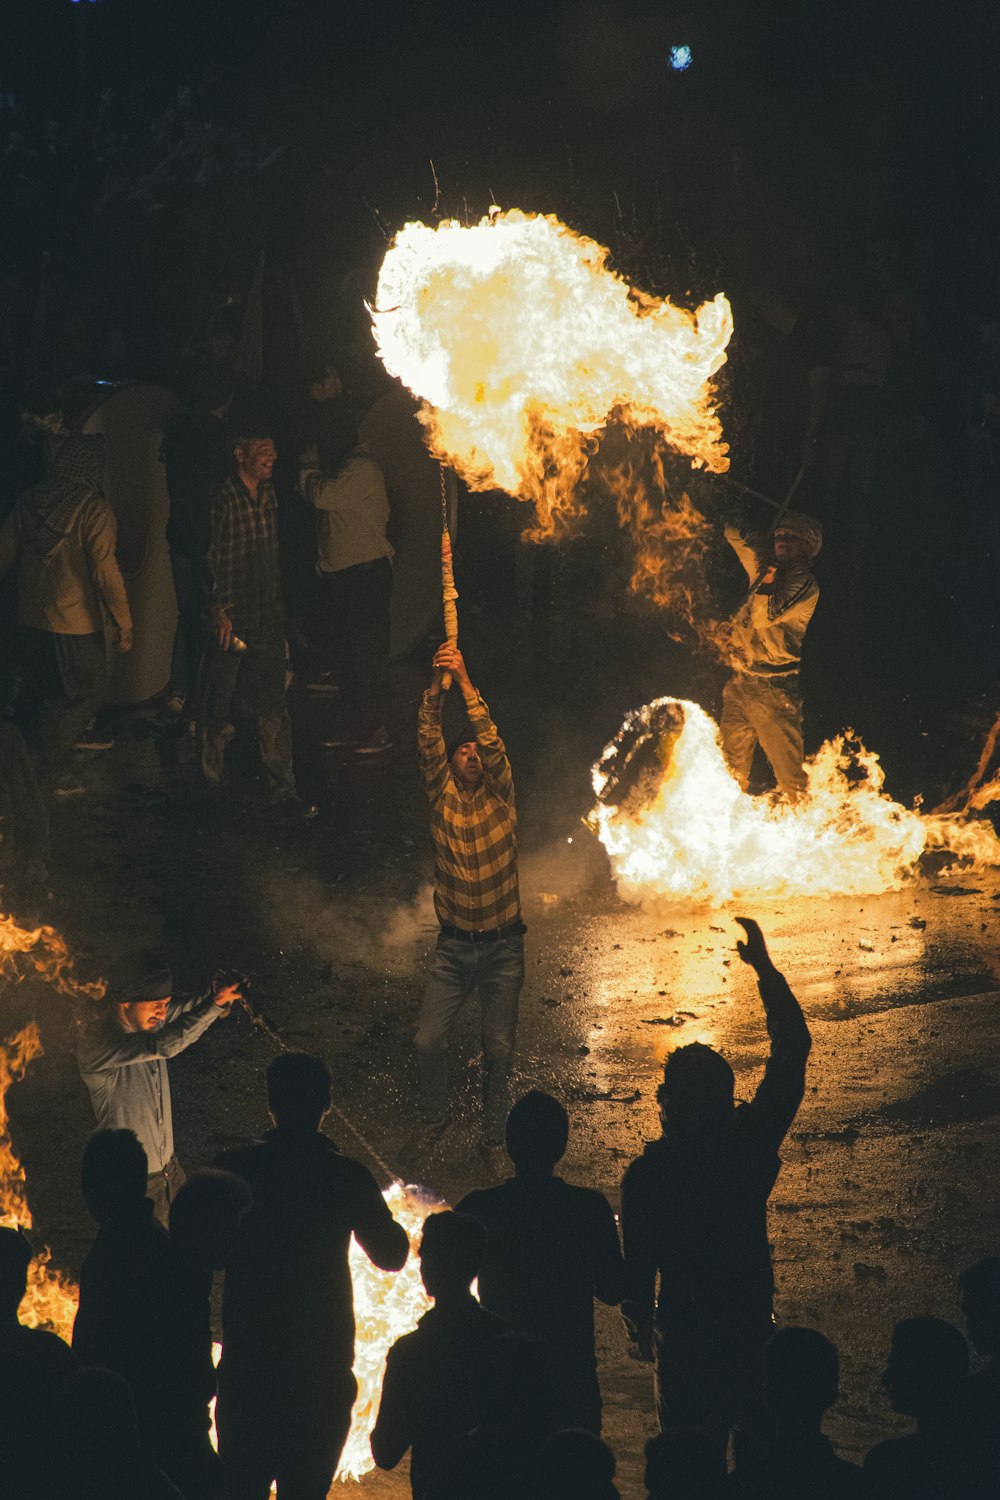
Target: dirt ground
(886, 1191)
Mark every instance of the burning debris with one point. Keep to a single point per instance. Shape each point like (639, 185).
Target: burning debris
(676, 825)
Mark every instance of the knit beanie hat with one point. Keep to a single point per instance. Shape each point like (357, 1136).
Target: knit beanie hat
(806, 527)
(139, 976)
(466, 737)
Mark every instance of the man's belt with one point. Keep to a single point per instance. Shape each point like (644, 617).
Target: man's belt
(491, 935)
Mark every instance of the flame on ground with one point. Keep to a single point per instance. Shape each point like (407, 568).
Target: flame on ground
(51, 1299)
(523, 344)
(690, 833)
(387, 1304)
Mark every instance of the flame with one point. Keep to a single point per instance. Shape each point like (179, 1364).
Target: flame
(523, 344)
(51, 1298)
(387, 1304)
(698, 837)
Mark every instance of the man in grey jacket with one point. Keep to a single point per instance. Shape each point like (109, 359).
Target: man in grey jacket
(123, 1055)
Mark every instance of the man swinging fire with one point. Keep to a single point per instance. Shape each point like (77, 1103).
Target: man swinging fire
(762, 701)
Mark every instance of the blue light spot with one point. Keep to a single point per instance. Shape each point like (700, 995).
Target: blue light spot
(680, 59)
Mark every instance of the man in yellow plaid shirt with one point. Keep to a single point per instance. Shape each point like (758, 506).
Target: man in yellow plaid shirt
(481, 943)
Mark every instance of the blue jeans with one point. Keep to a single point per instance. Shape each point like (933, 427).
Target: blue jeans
(496, 970)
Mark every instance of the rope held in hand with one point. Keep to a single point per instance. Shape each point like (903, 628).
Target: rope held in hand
(449, 593)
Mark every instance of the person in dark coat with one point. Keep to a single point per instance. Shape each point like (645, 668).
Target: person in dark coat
(694, 1217)
(432, 1389)
(551, 1249)
(801, 1378)
(286, 1386)
(135, 1314)
(926, 1377)
(204, 1225)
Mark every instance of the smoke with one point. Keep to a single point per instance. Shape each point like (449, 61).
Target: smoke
(383, 934)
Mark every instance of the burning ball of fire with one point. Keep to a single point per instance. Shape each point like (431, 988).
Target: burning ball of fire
(677, 826)
(522, 342)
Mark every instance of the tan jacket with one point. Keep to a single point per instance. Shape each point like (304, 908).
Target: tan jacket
(353, 513)
(78, 587)
(766, 634)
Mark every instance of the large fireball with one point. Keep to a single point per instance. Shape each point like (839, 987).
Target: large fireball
(522, 342)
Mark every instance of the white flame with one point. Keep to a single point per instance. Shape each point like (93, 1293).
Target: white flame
(522, 342)
(701, 838)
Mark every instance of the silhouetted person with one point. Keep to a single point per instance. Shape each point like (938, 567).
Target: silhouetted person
(574, 1465)
(101, 1451)
(204, 1225)
(35, 1367)
(28, 1467)
(132, 1314)
(980, 1289)
(694, 1215)
(285, 1383)
(801, 1378)
(925, 1377)
(496, 1459)
(46, 1351)
(683, 1463)
(551, 1249)
(431, 1393)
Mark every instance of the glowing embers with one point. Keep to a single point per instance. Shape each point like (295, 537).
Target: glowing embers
(522, 343)
(676, 825)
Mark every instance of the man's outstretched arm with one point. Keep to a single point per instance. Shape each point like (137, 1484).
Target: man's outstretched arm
(781, 1089)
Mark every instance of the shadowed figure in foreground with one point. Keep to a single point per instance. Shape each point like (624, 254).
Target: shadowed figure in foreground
(431, 1393)
(551, 1249)
(35, 1367)
(926, 1377)
(694, 1216)
(135, 1315)
(101, 1451)
(204, 1224)
(980, 1289)
(574, 1465)
(684, 1464)
(286, 1386)
(520, 1410)
(801, 1378)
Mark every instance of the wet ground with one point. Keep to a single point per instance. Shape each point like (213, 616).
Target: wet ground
(888, 1187)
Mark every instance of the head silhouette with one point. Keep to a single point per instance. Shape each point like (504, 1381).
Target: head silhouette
(16, 1256)
(801, 1376)
(537, 1132)
(698, 1088)
(684, 1463)
(205, 1217)
(114, 1174)
(575, 1465)
(928, 1364)
(299, 1089)
(980, 1289)
(451, 1251)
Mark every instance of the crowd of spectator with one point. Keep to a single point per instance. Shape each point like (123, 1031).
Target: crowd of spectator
(496, 1391)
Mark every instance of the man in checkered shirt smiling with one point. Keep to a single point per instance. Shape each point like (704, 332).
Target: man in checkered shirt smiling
(481, 943)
